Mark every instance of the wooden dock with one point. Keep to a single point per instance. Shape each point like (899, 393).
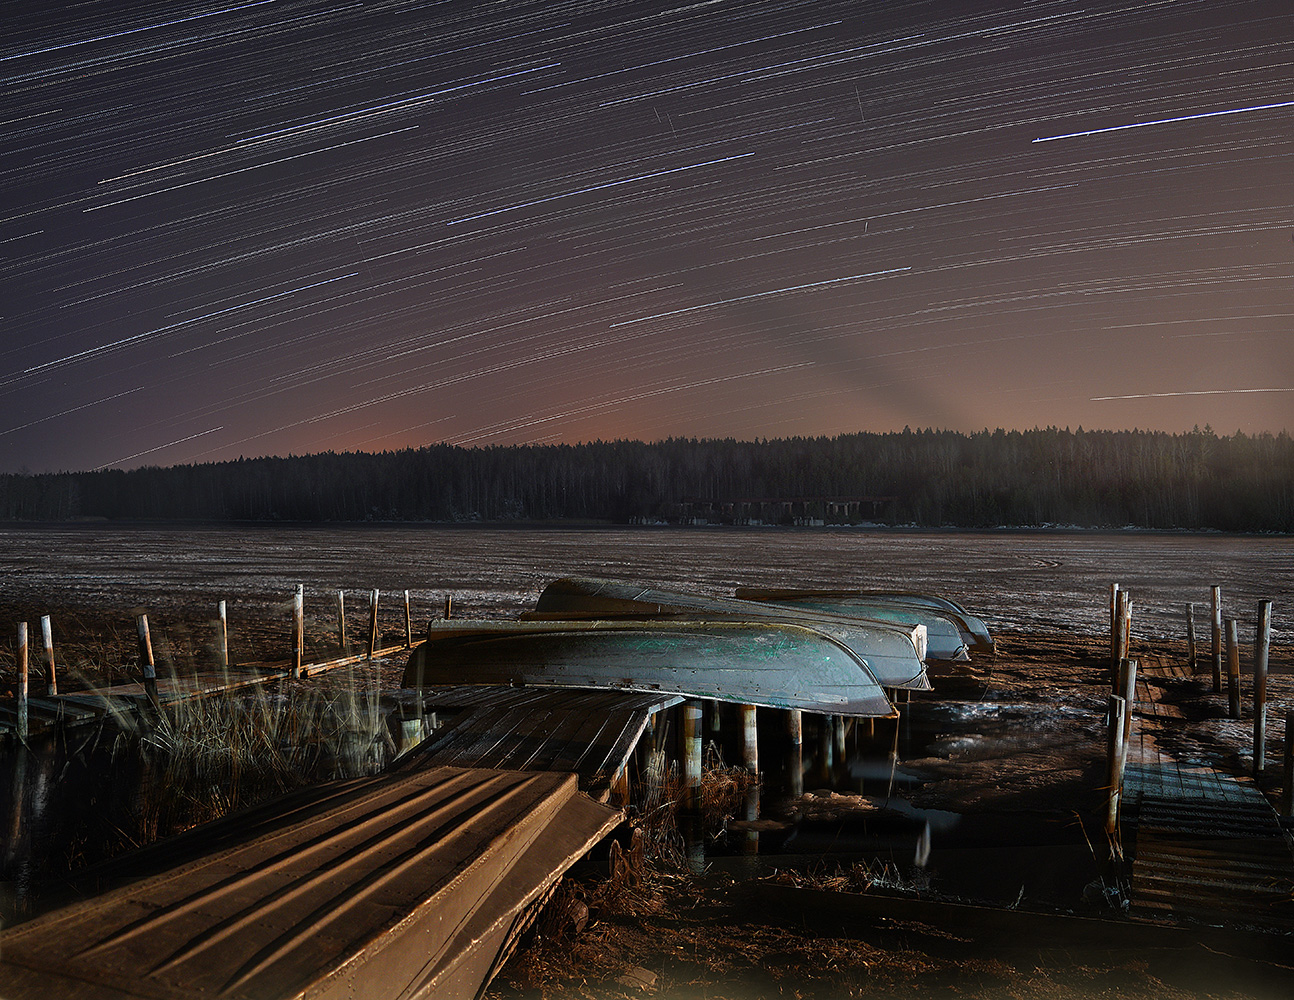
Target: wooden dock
(414, 884)
(590, 733)
(1209, 847)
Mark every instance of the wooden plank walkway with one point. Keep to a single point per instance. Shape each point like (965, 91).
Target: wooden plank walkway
(1209, 848)
(590, 733)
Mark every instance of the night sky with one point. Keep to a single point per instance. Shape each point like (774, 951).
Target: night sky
(284, 226)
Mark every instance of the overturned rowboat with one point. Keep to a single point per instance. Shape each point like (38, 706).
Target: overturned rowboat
(768, 663)
(893, 653)
(906, 606)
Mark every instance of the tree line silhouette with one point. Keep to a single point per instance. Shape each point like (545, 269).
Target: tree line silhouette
(1196, 480)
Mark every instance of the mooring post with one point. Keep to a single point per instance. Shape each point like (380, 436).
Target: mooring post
(298, 629)
(1217, 639)
(408, 624)
(1126, 641)
(1233, 670)
(342, 647)
(372, 622)
(1287, 791)
(1115, 757)
(146, 659)
(795, 752)
(47, 635)
(222, 635)
(1190, 638)
(449, 606)
(1262, 645)
(692, 756)
(22, 681)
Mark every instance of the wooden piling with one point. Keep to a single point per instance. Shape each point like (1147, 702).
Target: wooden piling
(1217, 639)
(749, 739)
(795, 752)
(408, 624)
(342, 646)
(692, 756)
(1115, 756)
(838, 731)
(1262, 646)
(449, 606)
(298, 629)
(1287, 790)
(372, 622)
(22, 680)
(1233, 670)
(222, 636)
(146, 658)
(1128, 692)
(823, 762)
(1115, 619)
(1190, 638)
(47, 636)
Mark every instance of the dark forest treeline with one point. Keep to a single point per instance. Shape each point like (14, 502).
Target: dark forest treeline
(1051, 476)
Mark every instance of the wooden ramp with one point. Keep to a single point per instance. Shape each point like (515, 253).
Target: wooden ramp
(1210, 849)
(590, 733)
(411, 885)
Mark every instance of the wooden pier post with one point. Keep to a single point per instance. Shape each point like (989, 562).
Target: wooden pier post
(408, 624)
(146, 658)
(838, 730)
(823, 762)
(222, 635)
(47, 636)
(1233, 670)
(1287, 790)
(1115, 620)
(449, 606)
(1128, 692)
(298, 629)
(22, 681)
(1217, 639)
(1115, 757)
(1190, 638)
(795, 752)
(342, 647)
(1262, 646)
(692, 756)
(749, 739)
(372, 622)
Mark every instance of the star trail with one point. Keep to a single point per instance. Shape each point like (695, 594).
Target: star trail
(288, 226)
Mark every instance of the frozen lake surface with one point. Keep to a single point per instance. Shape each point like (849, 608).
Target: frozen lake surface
(1039, 581)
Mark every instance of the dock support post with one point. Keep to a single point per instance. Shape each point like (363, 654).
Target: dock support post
(823, 762)
(298, 629)
(1233, 670)
(1115, 757)
(692, 756)
(372, 622)
(222, 636)
(1217, 639)
(342, 646)
(22, 682)
(838, 731)
(408, 624)
(1287, 791)
(749, 739)
(1262, 646)
(146, 659)
(1128, 692)
(1190, 639)
(51, 676)
(1116, 618)
(795, 753)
